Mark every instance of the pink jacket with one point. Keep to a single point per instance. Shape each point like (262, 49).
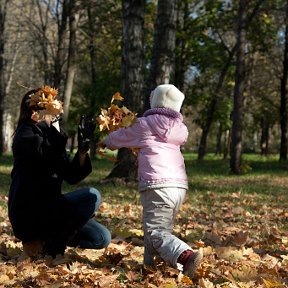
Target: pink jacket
(158, 136)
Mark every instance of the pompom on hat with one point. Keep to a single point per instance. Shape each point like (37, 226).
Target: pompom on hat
(166, 96)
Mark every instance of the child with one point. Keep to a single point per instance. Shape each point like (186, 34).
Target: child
(161, 174)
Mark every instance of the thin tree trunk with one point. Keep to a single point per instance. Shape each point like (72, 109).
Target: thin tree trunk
(60, 52)
(7, 118)
(264, 141)
(92, 52)
(218, 149)
(283, 100)
(43, 40)
(237, 117)
(3, 9)
(227, 141)
(71, 66)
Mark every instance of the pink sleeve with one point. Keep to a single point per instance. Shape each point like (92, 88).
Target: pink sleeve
(125, 137)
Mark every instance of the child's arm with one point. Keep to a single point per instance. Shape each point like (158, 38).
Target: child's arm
(129, 137)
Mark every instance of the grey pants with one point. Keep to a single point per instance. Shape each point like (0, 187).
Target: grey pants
(159, 210)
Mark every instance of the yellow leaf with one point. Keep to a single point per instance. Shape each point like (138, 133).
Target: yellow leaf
(5, 280)
(285, 259)
(117, 96)
(205, 283)
(229, 253)
(137, 232)
(270, 283)
(186, 280)
(128, 120)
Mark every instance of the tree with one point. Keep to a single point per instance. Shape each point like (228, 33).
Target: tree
(163, 54)
(237, 117)
(3, 10)
(183, 46)
(72, 57)
(223, 71)
(60, 53)
(283, 94)
(132, 76)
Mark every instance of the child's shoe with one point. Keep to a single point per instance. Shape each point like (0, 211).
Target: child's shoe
(191, 260)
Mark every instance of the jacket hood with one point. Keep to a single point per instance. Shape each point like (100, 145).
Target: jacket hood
(166, 124)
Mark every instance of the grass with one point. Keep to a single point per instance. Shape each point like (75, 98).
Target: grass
(266, 178)
(212, 174)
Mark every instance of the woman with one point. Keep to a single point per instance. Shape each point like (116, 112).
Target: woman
(43, 218)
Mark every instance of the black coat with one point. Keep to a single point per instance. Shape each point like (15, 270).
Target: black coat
(36, 206)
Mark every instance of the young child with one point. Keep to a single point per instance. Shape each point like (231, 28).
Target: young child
(162, 177)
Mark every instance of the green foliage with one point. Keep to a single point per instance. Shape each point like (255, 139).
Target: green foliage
(90, 96)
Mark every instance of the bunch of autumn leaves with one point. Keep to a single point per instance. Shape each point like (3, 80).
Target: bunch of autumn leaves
(115, 117)
(43, 102)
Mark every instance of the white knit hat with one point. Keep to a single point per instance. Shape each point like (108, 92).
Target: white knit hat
(166, 96)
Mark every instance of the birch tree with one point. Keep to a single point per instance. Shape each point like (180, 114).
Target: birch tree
(3, 11)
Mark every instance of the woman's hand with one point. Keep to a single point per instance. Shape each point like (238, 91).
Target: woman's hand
(101, 145)
(85, 133)
(47, 118)
(50, 120)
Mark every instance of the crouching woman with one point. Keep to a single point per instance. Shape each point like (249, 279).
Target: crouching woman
(42, 217)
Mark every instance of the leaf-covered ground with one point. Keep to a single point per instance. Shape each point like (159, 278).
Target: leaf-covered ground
(241, 225)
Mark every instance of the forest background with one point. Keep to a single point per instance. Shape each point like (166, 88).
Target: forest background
(230, 58)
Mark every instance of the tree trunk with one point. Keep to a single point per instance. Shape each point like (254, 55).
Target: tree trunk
(7, 116)
(218, 149)
(132, 77)
(227, 141)
(71, 66)
(163, 54)
(3, 9)
(283, 100)
(131, 70)
(237, 117)
(264, 141)
(60, 56)
(92, 52)
(43, 39)
(181, 62)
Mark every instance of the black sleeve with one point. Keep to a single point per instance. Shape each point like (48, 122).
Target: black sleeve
(74, 173)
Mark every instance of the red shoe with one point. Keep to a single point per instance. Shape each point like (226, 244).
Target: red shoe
(192, 262)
